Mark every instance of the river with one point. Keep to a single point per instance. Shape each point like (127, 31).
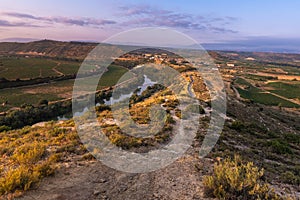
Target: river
(147, 82)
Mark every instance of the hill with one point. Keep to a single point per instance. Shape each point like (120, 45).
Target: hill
(48, 48)
(256, 157)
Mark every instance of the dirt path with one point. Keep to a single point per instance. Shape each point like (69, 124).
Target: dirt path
(190, 87)
(290, 100)
(238, 96)
(91, 180)
(57, 71)
(267, 92)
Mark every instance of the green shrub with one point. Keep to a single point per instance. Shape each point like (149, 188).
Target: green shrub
(292, 138)
(290, 178)
(237, 125)
(170, 120)
(43, 102)
(280, 147)
(4, 128)
(234, 179)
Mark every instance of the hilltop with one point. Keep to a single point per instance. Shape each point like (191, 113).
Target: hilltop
(48, 48)
(41, 151)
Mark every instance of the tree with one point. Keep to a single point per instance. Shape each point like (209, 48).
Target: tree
(43, 102)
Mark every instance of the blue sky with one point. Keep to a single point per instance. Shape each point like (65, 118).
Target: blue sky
(206, 21)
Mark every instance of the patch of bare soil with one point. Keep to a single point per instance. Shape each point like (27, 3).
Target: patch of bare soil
(92, 180)
(279, 76)
(60, 91)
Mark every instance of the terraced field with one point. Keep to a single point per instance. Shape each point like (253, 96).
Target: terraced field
(248, 91)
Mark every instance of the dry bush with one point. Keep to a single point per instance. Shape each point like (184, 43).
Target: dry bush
(234, 179)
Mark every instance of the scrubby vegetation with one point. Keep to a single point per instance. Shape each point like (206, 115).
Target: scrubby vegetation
(33, 114)
(140, 113)
(235, 179)
(150, 90)
(29, 154)
(29, 167)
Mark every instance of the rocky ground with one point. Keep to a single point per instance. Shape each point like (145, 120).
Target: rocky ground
(80, 179)
(93, 180)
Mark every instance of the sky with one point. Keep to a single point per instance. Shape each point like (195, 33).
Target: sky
(213, 21)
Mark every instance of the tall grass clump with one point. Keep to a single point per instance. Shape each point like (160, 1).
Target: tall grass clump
(235, 179)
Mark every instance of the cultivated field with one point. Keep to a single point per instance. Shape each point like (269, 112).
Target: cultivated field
(256, 94)
(13, 68)
(53, 91)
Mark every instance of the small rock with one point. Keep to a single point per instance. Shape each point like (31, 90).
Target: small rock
(102, 180)
(122, 188)
(105, 197)
(97, 192)
(156, 196)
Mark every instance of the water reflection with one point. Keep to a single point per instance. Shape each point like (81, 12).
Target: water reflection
(147, 82)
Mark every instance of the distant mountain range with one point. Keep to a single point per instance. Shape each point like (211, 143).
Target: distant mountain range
(79, 49)
(258, 44)
(18, 40)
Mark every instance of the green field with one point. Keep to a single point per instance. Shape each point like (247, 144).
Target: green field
(17, 97)
(241, 81)
(112, 76)
(25, 68)
(257, 95)
(290, 90)
(259, 78)
(53, 91)
(68, 67)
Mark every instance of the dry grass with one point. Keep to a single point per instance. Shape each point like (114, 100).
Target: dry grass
(29, 154)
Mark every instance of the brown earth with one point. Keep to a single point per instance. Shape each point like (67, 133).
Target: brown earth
(80, 180)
